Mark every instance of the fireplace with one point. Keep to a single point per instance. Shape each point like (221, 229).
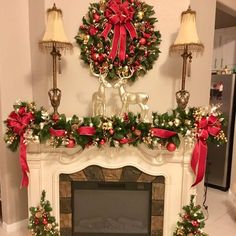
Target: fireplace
(56, 170)
(118, 202)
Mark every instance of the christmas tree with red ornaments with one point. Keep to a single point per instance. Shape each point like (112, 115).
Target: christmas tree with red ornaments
(41, 222)
(192, 221)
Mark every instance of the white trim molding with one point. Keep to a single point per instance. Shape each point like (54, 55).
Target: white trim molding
(14, 227)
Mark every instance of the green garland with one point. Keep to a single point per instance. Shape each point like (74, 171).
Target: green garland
(38, 126)
(141, 52)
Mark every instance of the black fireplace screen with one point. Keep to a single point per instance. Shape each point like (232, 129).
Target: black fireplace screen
(111, 208)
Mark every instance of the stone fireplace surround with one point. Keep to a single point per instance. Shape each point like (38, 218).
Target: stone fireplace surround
(47, 164)
(99, 174)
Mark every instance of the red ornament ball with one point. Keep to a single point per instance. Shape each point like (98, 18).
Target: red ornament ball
(111, 131)
(142, 41)
(45, 221)
(195, 223)
(102, 141)
(36, 221)
(55, 117)
(101, 58)
(171, 147)
(71, 143)
(95, 56)
(186, 216)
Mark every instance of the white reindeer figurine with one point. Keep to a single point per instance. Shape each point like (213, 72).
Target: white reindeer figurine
(99, 98)
(128, 98)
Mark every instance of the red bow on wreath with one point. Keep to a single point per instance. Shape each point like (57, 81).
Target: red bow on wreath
(19, 122)
(119, 15)
(206, 126)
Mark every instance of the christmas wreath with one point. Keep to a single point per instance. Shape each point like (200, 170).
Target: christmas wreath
(117, 36)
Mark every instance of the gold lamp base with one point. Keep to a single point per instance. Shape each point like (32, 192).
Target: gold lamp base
(55, 98)
(182, 98)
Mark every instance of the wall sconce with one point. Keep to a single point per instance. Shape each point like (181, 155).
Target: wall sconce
(186, 43)
(55, 41)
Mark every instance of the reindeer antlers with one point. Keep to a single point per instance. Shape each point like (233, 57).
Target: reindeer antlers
(101, 76)
(123, 78)
(128, 76)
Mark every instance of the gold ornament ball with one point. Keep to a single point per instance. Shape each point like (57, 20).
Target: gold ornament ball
(126, 69)
(81, 36)
(38, 214)
(99, 45)
(86, 38)
(140, 15)
(49, 226)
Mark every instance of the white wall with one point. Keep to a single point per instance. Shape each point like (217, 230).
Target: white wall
(15, 82)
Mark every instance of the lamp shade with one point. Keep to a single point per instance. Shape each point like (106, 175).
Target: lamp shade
(54, 34)
(187, 36)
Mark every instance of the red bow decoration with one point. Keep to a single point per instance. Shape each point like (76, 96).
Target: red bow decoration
(18, 122)
(119, 15)
(162, 133)
(206, 126)
(86, 130)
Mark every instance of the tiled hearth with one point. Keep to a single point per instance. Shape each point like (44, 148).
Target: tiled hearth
(54, 170)
(125, 174)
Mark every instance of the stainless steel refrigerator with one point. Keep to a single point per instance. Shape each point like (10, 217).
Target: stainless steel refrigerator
(220, 157)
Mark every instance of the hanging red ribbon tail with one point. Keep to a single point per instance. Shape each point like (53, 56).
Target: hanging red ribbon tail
(115, 42)
(122, 50)
(132, 31)
(106, 31)
(23, 163)
(195, 157)
(201, 164)
(162, 133)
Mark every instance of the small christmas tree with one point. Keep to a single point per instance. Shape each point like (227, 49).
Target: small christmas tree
(192, 221)
(41, 222)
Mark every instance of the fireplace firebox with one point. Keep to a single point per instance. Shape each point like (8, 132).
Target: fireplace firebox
(111, 208)
(111, 202)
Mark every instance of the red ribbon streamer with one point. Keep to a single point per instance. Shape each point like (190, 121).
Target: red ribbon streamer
(18, 122)
(206, 126)
(162, 133)
(119, 16)
(86, 130)
(57, 133)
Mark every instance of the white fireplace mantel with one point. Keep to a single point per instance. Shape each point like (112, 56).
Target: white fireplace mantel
(46, 164)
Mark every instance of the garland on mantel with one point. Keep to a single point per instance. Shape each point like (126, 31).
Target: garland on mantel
(198, 125)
